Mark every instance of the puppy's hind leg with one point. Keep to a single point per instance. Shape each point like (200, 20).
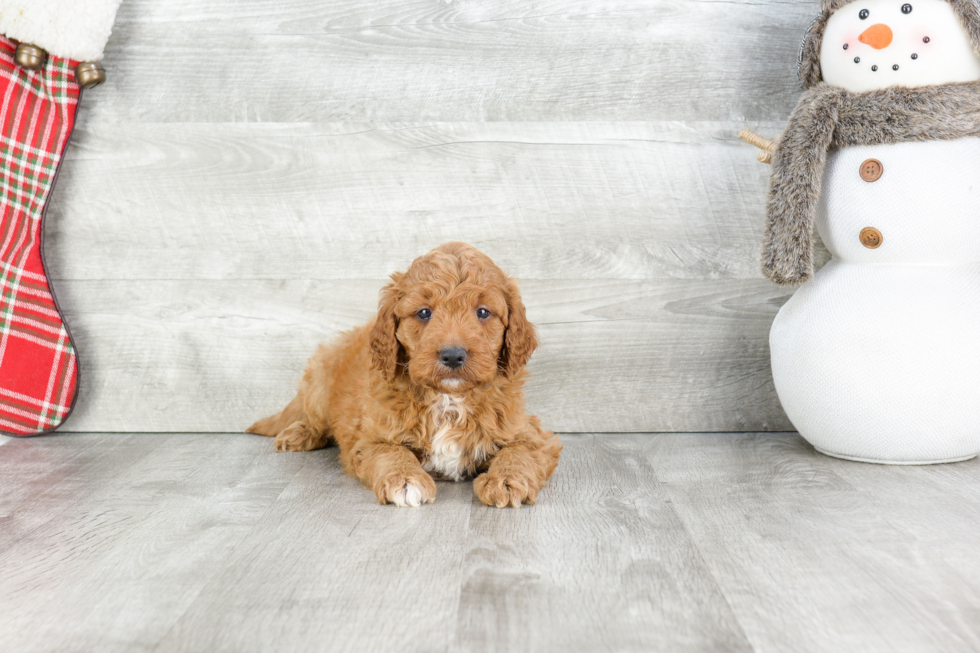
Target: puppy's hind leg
(300, 436)
(274, 424)
(290, 429)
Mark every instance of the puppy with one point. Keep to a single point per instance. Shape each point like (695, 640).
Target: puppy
(432, 387)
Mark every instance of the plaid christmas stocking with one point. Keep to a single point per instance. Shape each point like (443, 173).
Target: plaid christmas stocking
(38, 367)
(40, 81)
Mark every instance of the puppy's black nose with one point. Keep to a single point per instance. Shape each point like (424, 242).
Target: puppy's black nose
(452, 357)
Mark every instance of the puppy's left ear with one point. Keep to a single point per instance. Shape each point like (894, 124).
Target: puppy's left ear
(520, 340)
(384, 343)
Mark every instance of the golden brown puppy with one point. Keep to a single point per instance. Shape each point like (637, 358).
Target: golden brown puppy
(433, 385)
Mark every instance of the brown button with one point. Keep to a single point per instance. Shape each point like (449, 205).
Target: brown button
(871, 170)
(870, 238)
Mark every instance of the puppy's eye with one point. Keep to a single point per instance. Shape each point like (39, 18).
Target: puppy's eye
(863, 14)
(425, 314)
(482, 313)
(906, 9)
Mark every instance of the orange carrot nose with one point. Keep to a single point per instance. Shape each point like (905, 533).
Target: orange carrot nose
(877, 36)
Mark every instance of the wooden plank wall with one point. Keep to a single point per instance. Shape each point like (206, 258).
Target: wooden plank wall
(250, 173)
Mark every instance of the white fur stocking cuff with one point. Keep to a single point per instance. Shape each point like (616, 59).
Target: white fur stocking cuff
(73, 29)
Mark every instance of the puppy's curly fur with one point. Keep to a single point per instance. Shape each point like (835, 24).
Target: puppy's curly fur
(402, 409)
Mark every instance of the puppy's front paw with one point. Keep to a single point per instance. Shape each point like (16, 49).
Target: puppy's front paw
(504, 490)
(406, 489)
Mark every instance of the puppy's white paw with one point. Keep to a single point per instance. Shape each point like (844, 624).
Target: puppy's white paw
(408, 495)
(411, 492)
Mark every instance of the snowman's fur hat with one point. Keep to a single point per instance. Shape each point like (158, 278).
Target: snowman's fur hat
(829, 117)
(968, 11)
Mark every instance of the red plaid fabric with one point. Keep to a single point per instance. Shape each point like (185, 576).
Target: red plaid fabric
(38, 370)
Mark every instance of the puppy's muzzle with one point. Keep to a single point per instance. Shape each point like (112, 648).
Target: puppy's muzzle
(452, 357)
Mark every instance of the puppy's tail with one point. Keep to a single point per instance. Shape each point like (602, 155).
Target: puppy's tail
(271, 426)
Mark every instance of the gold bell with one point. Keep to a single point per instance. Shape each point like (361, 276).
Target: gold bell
(89, 74)
(30, 56)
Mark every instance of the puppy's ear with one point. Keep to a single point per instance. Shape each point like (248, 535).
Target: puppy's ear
(384, 342)
(520, 340)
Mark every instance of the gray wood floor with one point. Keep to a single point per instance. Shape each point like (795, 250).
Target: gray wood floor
(668, 542)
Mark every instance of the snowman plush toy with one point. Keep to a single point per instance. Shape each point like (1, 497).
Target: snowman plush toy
(876, 357)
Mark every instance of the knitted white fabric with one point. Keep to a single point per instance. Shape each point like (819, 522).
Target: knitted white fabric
(878, 357)
(74, 29)
(926, 203)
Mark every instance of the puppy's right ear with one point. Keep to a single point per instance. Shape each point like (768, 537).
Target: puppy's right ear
(384, 342)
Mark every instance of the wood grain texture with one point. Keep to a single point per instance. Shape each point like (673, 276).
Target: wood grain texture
(47, 479)
(602, 564)
(840, 555)
(672, 542)
(317, 572)
(216, 355)
(134, 542)
(546, 201)
(384, 61)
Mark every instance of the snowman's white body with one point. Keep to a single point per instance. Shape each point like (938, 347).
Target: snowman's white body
(878, 357)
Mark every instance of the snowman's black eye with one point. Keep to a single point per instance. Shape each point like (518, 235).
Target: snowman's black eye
(863, 14)
(906, 9)
(926, 39)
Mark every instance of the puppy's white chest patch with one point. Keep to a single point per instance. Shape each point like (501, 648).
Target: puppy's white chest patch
(447, 456)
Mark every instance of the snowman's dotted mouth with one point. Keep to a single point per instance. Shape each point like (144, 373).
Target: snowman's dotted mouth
(874, 68)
